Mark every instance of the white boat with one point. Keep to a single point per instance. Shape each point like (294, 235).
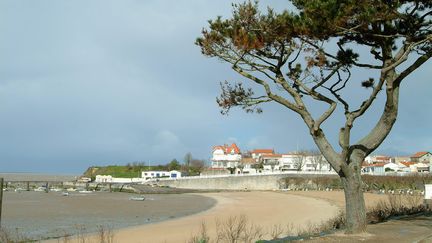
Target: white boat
(40, 189)
(85, 192)
(65, 194)
(137, 198)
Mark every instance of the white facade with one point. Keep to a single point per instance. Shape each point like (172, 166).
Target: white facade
(303, 162)
(421, 167)
(370, 159)
(422, 157)
(428, 191)
(288, 162)
(373, 170)
(258, 153)
(160, 174)
(104, 179)
(110, 179)
(392, 167)
(226, 156)
(247, 169)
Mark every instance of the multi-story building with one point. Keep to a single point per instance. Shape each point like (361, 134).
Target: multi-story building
(258, 153)
(378, 159)
(226, 156)
(422, 157)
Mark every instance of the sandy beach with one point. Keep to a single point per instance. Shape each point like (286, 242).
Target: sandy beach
(265, 209)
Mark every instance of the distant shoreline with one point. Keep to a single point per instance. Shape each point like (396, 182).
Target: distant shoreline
(31, 176)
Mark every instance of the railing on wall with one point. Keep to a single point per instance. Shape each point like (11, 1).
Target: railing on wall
(245, 175)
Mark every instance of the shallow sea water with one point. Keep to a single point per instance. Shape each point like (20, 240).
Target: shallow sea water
(40, 215)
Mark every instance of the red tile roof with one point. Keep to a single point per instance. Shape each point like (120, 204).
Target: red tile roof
(419, 154)
(376, 165)
(382, 158)
(236, 149)
(272, 155)
(262, 151)
(407, 164)
(227, 149)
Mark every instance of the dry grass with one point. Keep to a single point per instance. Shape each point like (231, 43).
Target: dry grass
(202, 237)
(12, 236)
(396, 205)
(237, 229)
(276, 231)
(105, 234)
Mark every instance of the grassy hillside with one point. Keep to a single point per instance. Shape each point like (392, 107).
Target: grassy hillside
(122, 171)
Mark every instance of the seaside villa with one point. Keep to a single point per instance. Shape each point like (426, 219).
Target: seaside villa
(226, 156)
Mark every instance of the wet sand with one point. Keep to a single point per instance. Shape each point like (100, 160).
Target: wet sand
(39, 215)
(265, 209)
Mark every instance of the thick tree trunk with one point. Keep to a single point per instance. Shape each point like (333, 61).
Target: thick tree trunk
(355, 204)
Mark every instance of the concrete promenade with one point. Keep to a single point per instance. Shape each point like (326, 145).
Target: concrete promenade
(262, 181)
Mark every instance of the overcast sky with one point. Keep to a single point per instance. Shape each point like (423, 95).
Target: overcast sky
(110, 82)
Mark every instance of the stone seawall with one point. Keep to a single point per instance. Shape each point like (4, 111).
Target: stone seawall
(245, 182)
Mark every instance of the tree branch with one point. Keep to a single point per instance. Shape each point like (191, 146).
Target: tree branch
(422, 59)
(268, 91)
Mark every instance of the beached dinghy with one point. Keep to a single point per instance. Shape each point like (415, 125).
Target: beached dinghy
(137, 198)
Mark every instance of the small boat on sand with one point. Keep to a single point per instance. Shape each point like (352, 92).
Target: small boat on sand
(85, 192)
(136, 198)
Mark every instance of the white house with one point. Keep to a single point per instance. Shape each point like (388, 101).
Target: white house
(289, 162)
(258, 153)
(226, 156)
(372, 159)
(271, 162)
(302, 162)
(160, 174)
(374, 169)
(422, 167)
(104, 179)
(422, 157)
(392, 167)
(249, 166)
